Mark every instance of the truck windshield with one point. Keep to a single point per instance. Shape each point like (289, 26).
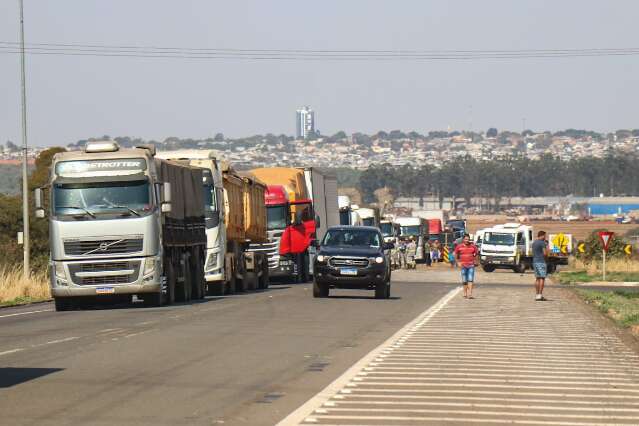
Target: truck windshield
(499, 239)
(344, 217)
(211, 208)
(369, 221)
(131, 198)
(276, 217)
(412, 230)
(387, 229)
(351, 237)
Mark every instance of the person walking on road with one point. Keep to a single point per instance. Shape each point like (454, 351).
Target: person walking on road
(540, 253)
(466, 253)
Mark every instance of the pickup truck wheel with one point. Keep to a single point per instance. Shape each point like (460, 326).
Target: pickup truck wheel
(63, 304)
(488, 268)
(320, 289)
(381, 290)
(388, 290)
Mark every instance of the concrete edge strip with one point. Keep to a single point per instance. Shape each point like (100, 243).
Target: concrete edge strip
(307, 409)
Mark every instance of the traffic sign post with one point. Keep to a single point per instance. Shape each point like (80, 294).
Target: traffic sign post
(605, 237)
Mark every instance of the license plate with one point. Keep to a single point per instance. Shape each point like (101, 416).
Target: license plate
(497, 262)
(104, 290)
(348, 271)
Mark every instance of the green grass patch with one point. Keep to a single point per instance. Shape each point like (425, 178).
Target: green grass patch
(25, 300)
(569, 277)
(621, 305)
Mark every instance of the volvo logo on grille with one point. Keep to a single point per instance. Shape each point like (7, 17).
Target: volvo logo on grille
(103, 246)
(349, 262)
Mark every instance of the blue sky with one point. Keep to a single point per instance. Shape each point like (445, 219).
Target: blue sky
(77, 97)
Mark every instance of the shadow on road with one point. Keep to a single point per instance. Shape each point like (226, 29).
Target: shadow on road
(14, 376)
(354, 297)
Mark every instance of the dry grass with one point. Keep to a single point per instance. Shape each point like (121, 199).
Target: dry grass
(14, 289)
(612, 265)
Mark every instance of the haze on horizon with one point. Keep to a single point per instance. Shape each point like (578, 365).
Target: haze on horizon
(71, 97)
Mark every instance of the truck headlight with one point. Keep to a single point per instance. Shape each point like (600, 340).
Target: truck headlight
(59, 270)
(211, 262)
(483, 258)
(321, 258)
(379, 259)
(149, 265)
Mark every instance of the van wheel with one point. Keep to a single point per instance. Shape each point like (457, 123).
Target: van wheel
(488, 268)
(320, 289)
(63, 304)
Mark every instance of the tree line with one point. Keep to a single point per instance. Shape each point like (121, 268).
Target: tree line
(613, 175)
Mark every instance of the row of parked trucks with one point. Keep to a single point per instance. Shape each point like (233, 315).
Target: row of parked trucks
(175, 226)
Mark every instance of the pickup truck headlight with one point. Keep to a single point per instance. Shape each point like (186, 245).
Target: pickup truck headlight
(321, 258)
(379, 259)
(59, 270)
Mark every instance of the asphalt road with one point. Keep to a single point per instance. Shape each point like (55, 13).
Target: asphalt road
(249, 359)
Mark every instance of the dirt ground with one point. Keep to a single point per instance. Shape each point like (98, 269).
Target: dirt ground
(579, 229)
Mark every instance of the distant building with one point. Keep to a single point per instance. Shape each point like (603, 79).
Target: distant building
(304, 122)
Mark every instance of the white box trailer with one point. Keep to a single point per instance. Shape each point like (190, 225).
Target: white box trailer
(322, 188)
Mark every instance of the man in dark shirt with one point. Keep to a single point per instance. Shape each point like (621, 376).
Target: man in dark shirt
(540, 253)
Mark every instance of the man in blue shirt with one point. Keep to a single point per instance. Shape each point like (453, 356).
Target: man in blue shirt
(540, 253)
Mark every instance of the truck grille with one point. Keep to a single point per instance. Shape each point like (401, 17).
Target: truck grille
(271, 248)
(103, 247)
(101, 273)
(349, 261)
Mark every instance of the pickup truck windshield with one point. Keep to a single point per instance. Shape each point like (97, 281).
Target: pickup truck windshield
(90, 199)
(276, 217)
(387, 229)
(499, 239)
(412, 230)
(351, 237)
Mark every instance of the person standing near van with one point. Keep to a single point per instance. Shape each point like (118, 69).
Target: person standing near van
(540, 253)
(466, 253)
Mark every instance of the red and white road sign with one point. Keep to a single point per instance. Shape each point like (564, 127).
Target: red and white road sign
(605, 238)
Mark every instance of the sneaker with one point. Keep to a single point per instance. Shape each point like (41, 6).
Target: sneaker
(539, 297)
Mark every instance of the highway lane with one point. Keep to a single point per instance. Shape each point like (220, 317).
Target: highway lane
(247, 359)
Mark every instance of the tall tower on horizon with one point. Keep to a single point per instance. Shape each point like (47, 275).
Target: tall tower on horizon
(304, 122)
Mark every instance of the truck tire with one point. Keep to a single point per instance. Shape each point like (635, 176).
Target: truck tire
(63, 304)
(152, 300)
(250, 278)
(171, 282)
(519, 268)
(264, 278)
(552, 268)
(488, 268)
(320, 289)
(381, 290)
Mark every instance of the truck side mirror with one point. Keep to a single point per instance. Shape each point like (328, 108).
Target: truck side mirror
(39, 211)
(166, 198)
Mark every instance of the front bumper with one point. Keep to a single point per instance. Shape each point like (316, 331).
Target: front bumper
(283, 266)
(506, 261)
(72, 278)
(366, 278)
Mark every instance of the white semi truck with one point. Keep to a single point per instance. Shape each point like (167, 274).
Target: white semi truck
(348, 212)
(414, 228)
(509, 246)
(122, 223)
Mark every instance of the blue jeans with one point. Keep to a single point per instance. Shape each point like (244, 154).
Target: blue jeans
(468, 274)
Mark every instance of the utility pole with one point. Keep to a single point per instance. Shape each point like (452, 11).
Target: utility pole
(25, 183)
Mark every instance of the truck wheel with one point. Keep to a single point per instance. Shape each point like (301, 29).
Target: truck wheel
(552, 268)
(520, 268)
(264, 279)
(250, 278)
(152, 300)
(488, 268)
(381, 290)
(63, 304)
(320, 289)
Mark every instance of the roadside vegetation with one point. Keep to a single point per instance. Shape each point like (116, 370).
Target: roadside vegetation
(621, 305)
(15, 290)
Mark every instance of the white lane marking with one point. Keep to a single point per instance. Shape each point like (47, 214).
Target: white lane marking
(509, 363)
(455, 370)
(67, 339)
(551, 399)
(481, 413)
(11, 351)
(477, 376)
(303, 412)
(25, 313)
(488, 392)
(480, 405)
(458, 420)
(480, 385)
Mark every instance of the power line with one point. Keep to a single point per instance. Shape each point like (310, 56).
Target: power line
(59, 49)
